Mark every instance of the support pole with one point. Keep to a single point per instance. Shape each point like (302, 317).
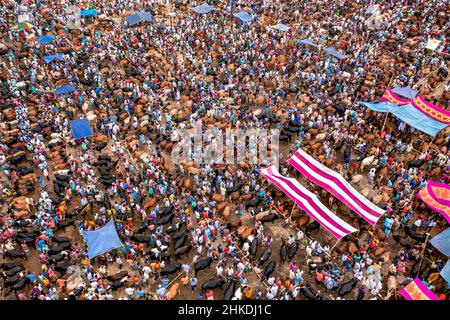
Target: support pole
(334, 246)
(421, 254)
(385, 120)
(429, 145)
(2, 285)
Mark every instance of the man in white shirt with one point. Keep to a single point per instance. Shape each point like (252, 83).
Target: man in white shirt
(129, 292)
(219, 271)
(186, 268)
(417, 224)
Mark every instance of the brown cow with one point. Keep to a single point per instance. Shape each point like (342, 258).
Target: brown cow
(261, 215)
(173, 291)
(244, 232)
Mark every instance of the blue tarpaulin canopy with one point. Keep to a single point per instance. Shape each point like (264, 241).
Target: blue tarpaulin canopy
(49, 59)
(243, 16)
(280, 27)
(442, 242)
(46, 39)
(138, 17)
(445, 272)
(406, 92)
(377, 106)
(102, 240)
(68, 88)
(90, 12)
(408, 114)
(308, 42)
(336, 54)
(81, 129)
(203, 8)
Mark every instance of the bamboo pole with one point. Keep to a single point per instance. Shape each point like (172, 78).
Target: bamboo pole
(429, 145)
(385, 120)
(2, 285)
(334, 246)
(251, 265)
(421, 254)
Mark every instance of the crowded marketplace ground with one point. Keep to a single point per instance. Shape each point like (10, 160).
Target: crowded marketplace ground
(93, 95)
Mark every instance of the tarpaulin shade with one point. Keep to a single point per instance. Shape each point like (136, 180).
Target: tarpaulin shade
(308, 202)
(419, 102)
(81, 129)
(102, 240)
(203, 8)
(26, 26)
(406, 92)
(336, 184)
(417, 290)
(137, 17)
(436, 195)
(445, 272)
(442, 242)
(280, 27)
(46, 39)
(49, 59)
(432, 44)
(408, 114)
(24, 18)
(68, 88)
(90, 12)
(336, 54)
(377, 106)
(308, 42)
(244, 16)
(431, 110)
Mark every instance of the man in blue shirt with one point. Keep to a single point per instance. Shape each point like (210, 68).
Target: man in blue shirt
(193, 282)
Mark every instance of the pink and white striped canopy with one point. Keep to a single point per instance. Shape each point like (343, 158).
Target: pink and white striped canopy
(309, 202)
(334, 183)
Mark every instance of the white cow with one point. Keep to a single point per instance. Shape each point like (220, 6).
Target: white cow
(237, 294)
(356, 179)
(367, 161)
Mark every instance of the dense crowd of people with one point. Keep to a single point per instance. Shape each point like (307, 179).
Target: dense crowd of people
(137, 85)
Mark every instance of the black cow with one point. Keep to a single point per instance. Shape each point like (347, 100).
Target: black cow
(307, 293)
(229, 292)
(292, 250)
(265, 256)
(202, 264)
(13, 280)
(269, 269)
(10, 265)
(212, 284)
(180, 234)
(60, 247)
(21, 284)
(283, 251)
(13, 254)
(9, 273)
(140, 238)
(253, 248)
(271, 217)
(170, 269)
(166, 219)
(62, 267)
(60, 239)
(347, 287)
(180, 242)
(416, 163)
(313, 226)
(182, 250)
(414, 234)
